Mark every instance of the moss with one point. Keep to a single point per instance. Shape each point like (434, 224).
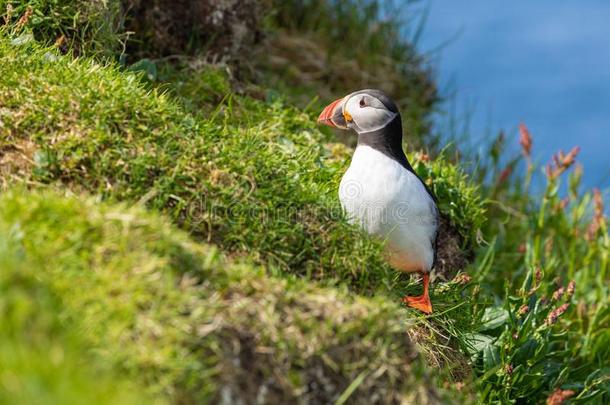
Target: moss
(181, 320)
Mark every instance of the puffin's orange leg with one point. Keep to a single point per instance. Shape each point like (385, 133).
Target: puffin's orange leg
(421, 302)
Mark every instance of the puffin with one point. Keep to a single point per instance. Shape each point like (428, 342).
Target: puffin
(381, 192)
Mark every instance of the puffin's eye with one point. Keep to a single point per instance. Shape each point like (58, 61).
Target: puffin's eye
(362, 102)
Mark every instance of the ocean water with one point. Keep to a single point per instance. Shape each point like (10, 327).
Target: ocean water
(544, 63)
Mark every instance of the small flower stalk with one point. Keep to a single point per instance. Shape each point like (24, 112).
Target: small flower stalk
(505, 174)
(599, 220)
(561, 163)
(555, 314)
(423, 156)
(559, 396)
(525, 139)
(24, 19)
(558, 294)
(8, 14)
(526, 142)
(462, 279)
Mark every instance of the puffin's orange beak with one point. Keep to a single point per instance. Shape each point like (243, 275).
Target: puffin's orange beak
(333, 116)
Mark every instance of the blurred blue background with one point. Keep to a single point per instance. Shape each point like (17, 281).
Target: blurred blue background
(544, 63)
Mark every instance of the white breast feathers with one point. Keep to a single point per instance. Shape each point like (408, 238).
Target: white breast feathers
(389, 201)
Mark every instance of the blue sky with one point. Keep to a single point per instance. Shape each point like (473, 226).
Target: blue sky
(546, 63)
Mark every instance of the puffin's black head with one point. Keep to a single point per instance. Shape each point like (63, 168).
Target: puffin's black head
(363, 111)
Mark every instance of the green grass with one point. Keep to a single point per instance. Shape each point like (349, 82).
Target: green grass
(327, 49)
(540, 335)
(274, 47)
(249, 165)
(253, 177)
(261, 291)
(80, 26)
(44, 359)
(116, 291)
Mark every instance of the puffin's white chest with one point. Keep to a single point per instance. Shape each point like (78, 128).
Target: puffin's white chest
(389, 201)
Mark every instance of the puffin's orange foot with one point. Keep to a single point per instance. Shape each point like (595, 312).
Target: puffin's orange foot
(422, 303)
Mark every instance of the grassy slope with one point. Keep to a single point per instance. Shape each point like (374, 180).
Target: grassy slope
(323, 49)
(44, 359)
(80, 125)
(518, 357)
(110, 290)
(251, 165)
(81, 26)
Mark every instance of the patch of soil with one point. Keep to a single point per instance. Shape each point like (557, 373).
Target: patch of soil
(288, 363)
(224, 29)
(16, 160)
(451, 256)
